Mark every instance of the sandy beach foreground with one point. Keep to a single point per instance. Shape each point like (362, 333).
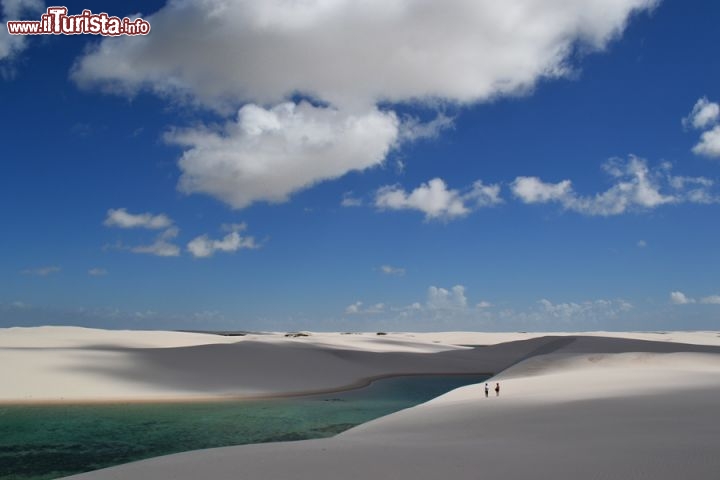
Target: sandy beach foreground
(598, 405)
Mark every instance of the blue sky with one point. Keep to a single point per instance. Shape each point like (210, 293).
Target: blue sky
(364, 166)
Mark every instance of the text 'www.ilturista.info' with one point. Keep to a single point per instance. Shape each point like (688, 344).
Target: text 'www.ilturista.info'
(56, 21)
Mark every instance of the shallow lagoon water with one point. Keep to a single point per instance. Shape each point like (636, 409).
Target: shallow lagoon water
(45, 442)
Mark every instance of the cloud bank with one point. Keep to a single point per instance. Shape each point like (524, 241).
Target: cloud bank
(451, 307)
(265, 52)
(348, 57)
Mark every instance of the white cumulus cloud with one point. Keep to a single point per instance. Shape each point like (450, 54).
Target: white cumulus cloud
(704, 114)
(436, 201)
(203, 246)
(162, 246)
(709, 145)
(123, 219)
(267, 154)
(679, 298)
(534, 190)
(547, 314)
(441, 299)
(390, 270)
(587, 311)
(346, 55)
(358, 309)
(265, 52)
(636, 187)
(712, 299)
(348, 200)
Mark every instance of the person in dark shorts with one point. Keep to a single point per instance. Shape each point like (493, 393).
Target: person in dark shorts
(487, 390)
(497, 389)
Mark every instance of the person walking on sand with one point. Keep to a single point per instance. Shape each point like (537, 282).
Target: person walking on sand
(487, 390)
(497, 389)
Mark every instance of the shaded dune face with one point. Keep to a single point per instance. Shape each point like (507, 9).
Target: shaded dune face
(258, 368)
(106, 370)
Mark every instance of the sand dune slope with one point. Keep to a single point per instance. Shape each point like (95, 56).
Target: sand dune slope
(76, 365)
(570, 408)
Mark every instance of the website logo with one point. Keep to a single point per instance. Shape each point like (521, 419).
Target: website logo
(56, 21)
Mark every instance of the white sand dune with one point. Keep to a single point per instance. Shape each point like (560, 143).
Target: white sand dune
(65, 364)
(635, 406)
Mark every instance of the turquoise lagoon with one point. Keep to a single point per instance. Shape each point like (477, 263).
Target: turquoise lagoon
(45, 442)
